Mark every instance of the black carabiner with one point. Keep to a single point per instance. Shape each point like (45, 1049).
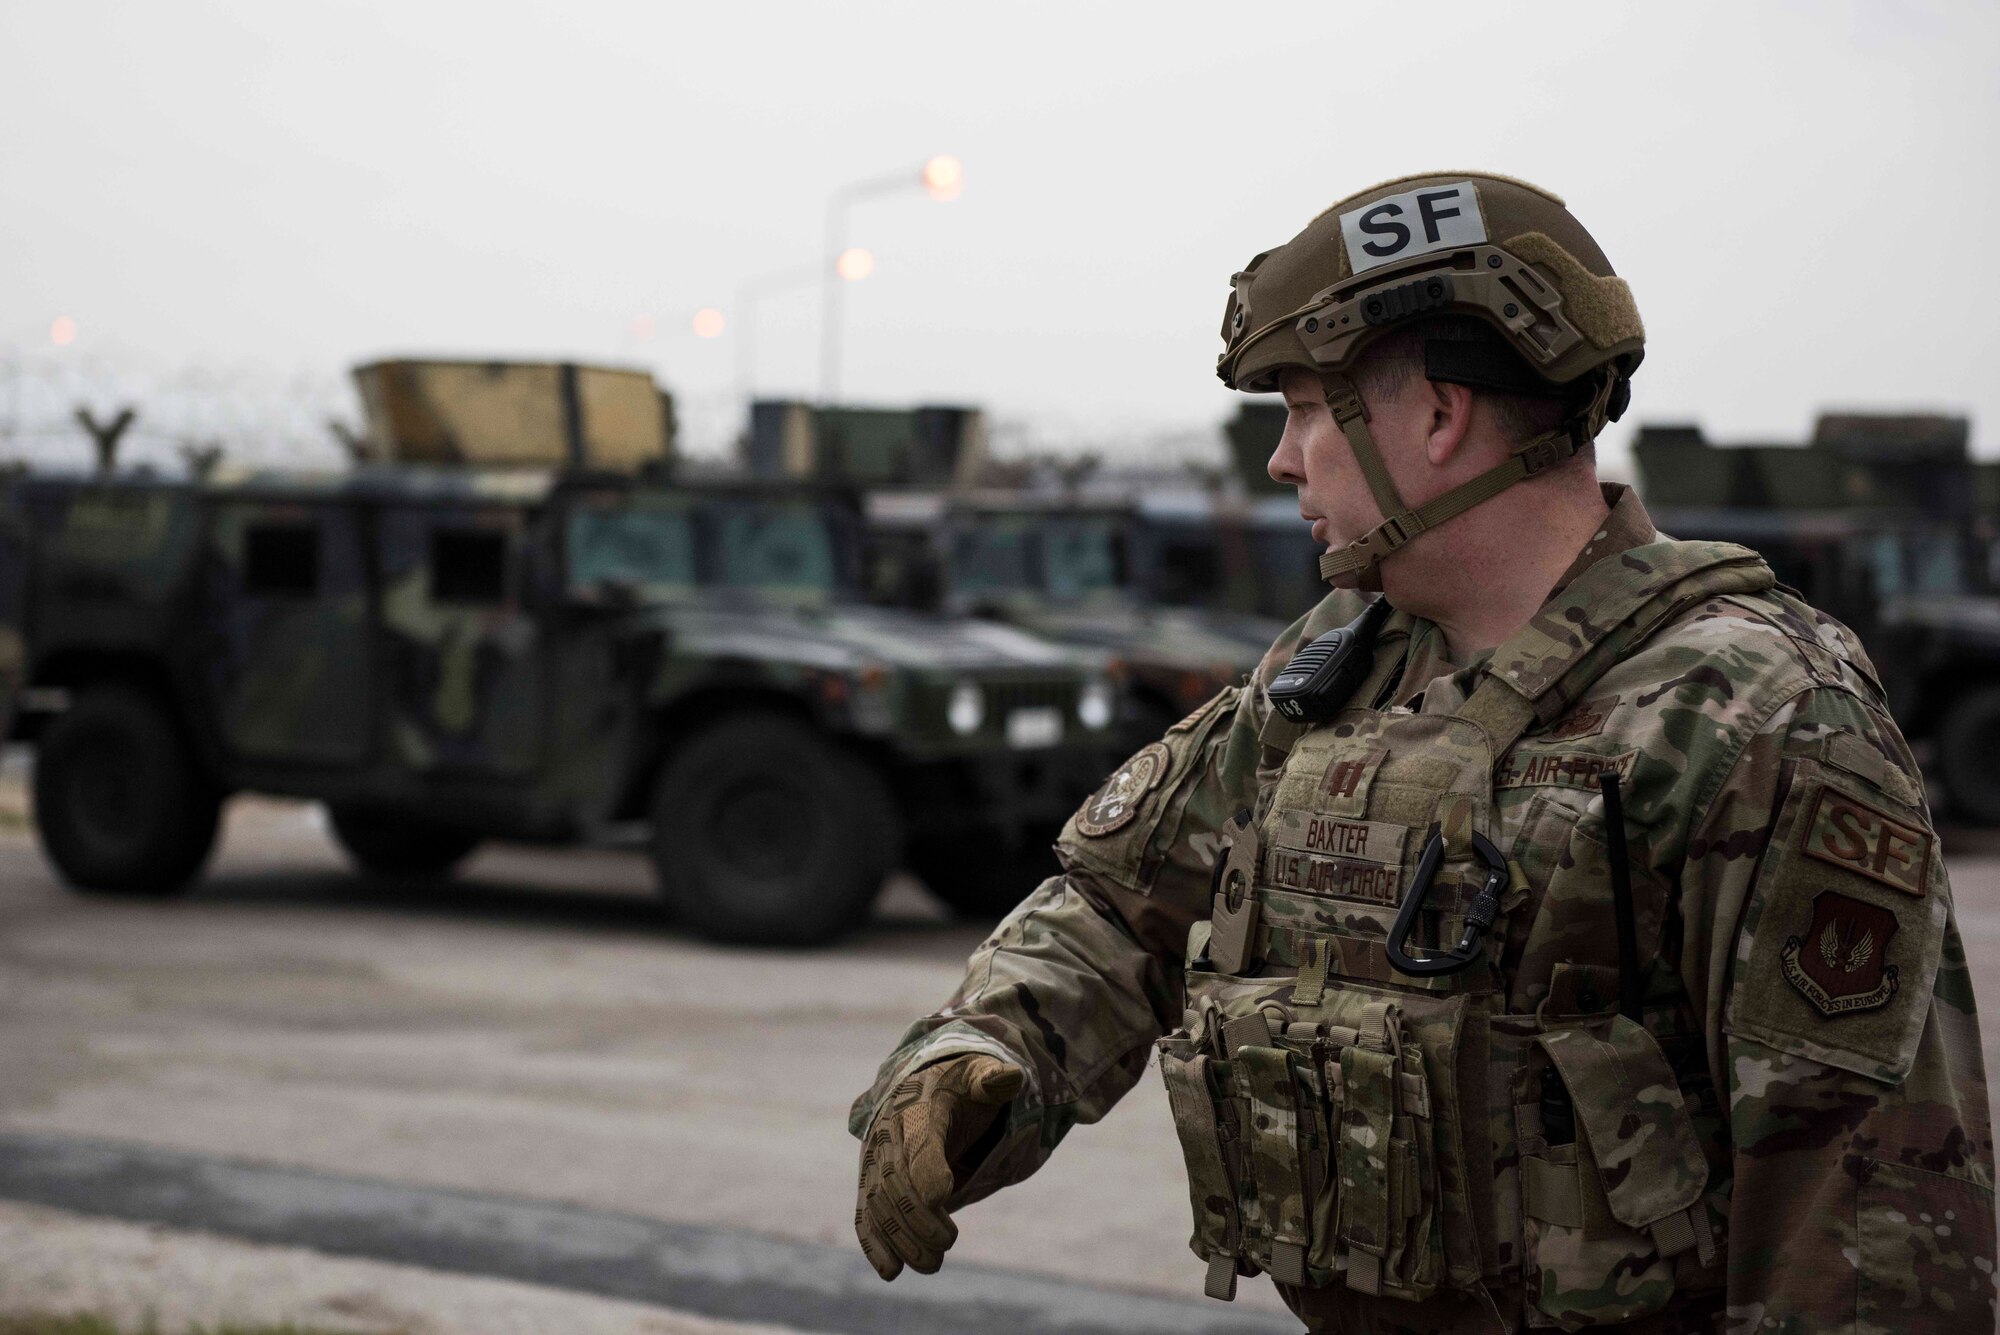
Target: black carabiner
(1478, 919)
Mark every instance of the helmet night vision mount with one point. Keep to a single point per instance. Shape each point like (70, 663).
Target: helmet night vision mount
(1500, 251)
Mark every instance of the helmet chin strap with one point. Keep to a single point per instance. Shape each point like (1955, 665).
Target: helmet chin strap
(1357, 565)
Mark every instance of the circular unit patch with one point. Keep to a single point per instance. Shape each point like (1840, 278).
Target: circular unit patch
(1117, 802)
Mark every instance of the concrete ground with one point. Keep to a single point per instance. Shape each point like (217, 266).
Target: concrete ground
(58, 1262)
(533, 1031)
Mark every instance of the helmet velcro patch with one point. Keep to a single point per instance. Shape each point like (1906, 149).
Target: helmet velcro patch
(1602, 309)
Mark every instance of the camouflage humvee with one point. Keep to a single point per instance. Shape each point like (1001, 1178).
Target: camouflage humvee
(1886, 522)
(1137, 582)
(444, 656)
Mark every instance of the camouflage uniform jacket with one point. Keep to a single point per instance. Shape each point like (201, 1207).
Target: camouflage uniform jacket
(1794, 1138)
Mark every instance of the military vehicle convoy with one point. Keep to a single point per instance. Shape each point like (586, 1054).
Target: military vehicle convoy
(1186, 595)
(1092, 574)
(1887, 523)
(553, 653)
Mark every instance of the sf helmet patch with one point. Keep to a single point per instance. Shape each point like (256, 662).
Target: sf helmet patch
(1114, 806)
(1841, 962)
(1416, 222)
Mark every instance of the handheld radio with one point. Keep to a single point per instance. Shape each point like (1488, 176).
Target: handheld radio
(1320, 677)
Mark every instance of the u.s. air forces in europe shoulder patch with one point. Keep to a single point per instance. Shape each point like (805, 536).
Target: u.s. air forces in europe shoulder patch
(1841, 962)
(1117, 802)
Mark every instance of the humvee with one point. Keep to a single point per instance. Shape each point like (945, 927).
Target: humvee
(1887, 523)
(448, 655)
(1149, 589)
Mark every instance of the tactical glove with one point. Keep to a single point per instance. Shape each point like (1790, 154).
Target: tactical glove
(931, 1118)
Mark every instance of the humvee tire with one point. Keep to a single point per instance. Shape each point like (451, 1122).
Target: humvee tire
(766, 833)
(976, 878)
(120, 803)
(1969, 755)
(391, 844)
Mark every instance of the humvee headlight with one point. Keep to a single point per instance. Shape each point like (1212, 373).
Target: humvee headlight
(966, 709)
(1095, 705)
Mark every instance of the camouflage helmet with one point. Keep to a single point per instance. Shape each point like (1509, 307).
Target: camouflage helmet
(1506, 254)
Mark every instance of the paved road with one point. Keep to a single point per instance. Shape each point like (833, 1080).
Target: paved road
(534, 1032)
(686, 1267)
(537, 1033)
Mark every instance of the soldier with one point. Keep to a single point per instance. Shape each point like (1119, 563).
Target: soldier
(1584, 956)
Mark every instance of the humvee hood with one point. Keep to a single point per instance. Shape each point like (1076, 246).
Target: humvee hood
(843, 637)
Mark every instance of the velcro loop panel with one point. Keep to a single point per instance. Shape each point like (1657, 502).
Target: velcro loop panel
(1246, 1031)
(1549, 1192)
(1602, 309)
(1674, 1234)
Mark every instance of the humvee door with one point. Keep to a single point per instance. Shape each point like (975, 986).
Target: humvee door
(463, 650)
(287, 604)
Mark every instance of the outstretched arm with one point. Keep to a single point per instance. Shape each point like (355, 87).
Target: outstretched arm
(1077, 982)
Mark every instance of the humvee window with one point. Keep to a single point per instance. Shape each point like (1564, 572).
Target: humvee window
(778, 548)
(281, 560)
(468, 565)
(1081, 557)
(1936, 564)
(1885, 555)
(995, 556)
(1062, 558)
(1189, 571)
(1289, 579)
(650, 549)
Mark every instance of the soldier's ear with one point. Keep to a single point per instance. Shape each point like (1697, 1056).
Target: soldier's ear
(1448, 410)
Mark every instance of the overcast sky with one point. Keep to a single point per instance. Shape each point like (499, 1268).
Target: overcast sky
(1802, 195)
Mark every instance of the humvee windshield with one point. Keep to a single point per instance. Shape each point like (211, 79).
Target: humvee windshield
(1080, 556)
(779, 548)
(670, 545)
(1061, 557)
(1916, 563)
(649, 548)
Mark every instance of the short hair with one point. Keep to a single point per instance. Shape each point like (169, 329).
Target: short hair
(1392, 362)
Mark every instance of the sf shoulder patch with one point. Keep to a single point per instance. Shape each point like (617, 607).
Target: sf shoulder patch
(1840, 963)
(1114, 806)
(1853, 835)
(1843, 931)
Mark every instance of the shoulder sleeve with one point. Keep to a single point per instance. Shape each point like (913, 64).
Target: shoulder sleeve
(1822, 946)
(1144, 844)
(1842, 932)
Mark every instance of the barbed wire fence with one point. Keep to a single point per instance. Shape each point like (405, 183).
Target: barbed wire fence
(247, 414)
(187, 416)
